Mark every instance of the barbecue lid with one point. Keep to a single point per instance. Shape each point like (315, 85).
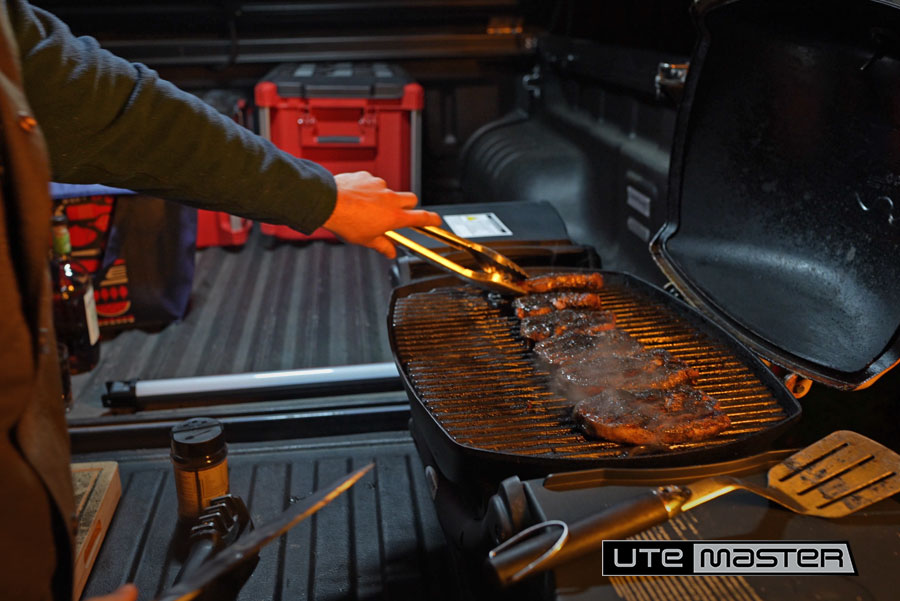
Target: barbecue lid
(784, 206)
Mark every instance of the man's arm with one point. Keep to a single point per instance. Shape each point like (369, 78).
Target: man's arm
(110, 121)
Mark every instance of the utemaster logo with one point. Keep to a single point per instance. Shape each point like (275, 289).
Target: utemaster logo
(702, 557)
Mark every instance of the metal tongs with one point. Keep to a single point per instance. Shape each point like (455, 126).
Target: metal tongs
(497, 273)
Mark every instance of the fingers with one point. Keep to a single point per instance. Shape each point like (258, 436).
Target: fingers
(410, 219)
(384, 246)
(406, 200)
(360, 180)
(366, 208)
(420, 218)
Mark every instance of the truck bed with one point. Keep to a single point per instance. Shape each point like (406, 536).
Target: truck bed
(255, 308)
(379, 540)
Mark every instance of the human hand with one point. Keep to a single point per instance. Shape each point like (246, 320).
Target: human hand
(126, 592)
(366, 208)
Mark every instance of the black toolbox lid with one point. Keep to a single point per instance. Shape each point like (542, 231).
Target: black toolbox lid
(784, 202)
(339, 80)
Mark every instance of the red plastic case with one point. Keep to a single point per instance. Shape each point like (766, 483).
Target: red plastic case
(346, 117)
(215, 228)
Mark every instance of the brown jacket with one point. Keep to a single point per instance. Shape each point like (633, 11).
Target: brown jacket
(36, 500)
(99, 119)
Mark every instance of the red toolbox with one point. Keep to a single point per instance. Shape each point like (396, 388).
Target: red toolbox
(215, 228)
(346, 117)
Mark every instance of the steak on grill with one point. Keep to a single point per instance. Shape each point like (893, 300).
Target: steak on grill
(623, 392)
(539, 304)
(676, 415)
(564, 281)
(575, 347)
(540, 327)
(644, 370)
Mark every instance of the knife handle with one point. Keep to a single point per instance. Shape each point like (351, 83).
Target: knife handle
(509, 563)
(203, 546)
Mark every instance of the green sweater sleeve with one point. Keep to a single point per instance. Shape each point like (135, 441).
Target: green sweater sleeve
(113, 122)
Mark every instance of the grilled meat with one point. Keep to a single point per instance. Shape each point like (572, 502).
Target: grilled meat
(578, 347)
(540, 327)
(628, 394)
(677, 415)
(644, 370)
(539, 304)
(564, 281)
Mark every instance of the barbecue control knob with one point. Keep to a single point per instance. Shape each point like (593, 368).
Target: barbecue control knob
(797, 385)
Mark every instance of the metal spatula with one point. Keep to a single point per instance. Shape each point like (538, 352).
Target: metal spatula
(831, 478)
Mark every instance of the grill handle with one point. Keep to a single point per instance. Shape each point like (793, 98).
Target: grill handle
(510, 563)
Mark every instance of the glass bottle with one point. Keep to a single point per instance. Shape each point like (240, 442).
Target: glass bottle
(74, 307)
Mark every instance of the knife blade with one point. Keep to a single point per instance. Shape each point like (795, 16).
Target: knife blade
(246, 547)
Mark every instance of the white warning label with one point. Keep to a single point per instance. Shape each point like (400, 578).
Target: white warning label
(477, 225)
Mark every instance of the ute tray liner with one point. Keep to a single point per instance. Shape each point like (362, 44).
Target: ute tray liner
(379, 540)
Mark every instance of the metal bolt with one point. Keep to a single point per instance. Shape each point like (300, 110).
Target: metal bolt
(797, 385)
(42, 339)
(431, 477)
(26, 121)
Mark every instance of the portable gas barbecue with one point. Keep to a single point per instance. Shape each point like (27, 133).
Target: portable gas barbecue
(779, 227)
(486, 411)
(782, 231)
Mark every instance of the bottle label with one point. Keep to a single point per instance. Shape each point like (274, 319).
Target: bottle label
(197, 488)
(90, 312)
(62, 244)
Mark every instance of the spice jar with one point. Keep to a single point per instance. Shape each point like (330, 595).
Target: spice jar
(199, 458)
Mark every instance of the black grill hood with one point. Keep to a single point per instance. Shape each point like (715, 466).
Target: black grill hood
(784, 206)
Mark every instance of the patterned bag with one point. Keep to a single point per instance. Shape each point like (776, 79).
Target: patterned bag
(139, 249)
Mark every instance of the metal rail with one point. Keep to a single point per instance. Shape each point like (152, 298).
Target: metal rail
(272, 385)
(191, 51)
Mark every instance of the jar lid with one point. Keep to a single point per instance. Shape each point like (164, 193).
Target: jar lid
(198, 437)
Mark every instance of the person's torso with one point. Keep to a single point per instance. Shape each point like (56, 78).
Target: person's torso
(37, 501)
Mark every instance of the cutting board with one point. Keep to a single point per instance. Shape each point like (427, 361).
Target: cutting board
(97, 492)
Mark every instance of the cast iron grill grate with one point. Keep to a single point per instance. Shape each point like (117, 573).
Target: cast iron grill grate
(469, 367)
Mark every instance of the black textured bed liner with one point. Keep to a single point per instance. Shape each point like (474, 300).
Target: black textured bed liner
(381, 540)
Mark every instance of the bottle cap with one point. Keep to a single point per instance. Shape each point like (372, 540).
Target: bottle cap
(198, 439)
